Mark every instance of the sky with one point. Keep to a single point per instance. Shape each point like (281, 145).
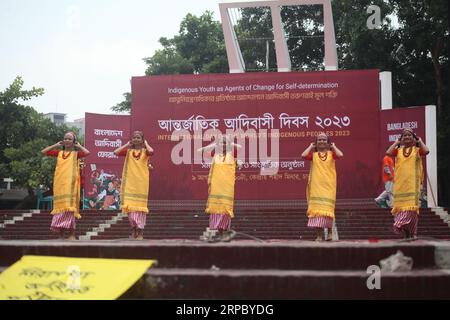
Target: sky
(84, 52)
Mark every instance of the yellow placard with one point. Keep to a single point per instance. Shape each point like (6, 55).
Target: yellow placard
(41, 278)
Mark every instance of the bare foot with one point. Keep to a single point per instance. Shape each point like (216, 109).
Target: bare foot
(140, 234)
(227, 236)
(320, 235)
(133, 234)
(71, 235)
(406, 234)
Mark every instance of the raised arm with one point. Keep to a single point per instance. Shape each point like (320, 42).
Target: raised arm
(149, 149)
(423, 147)
(336, 150)
(391, 149)
(308, 150)
(53, 146)
(81, 148)
(237, 146)
(120, 149)
(208, 147)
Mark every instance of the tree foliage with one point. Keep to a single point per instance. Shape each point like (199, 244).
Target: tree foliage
(198, 48)
(23, 134)
(253, 29)
(168, 60)
(125, 105)
(304, 36)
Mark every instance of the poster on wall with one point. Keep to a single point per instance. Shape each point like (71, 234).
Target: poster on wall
(102, 168)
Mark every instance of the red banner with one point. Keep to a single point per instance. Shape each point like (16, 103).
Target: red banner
(285, 108)
(103, 169)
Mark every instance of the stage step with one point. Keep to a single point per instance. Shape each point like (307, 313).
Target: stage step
(263, 223)
(287, 284)
(245, 254)
(270, 270)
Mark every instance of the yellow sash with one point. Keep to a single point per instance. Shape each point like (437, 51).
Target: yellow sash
(321, 189)
(135, 182)
(221, 185)
(407, 181)
(66, 184)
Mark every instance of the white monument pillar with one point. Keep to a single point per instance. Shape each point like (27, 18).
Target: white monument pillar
(234, 55)
(386, 90)
(431, 142)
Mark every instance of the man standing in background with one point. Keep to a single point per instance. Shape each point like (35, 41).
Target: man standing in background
(387, 196)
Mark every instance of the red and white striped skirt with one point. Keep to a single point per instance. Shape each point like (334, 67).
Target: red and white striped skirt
(64, 220)
(320, 222)
(406, 220)
(221, 222)
(137, 219)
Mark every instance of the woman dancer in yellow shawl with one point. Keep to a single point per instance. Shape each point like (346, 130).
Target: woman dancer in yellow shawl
(321, 189)
(221, 182)
(408, 150)
(135, 182)
(66, 184)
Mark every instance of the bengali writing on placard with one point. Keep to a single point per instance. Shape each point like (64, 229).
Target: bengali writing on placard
(106, 138)
(62, 278)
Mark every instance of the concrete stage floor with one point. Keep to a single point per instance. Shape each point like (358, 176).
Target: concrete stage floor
(249, 269)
